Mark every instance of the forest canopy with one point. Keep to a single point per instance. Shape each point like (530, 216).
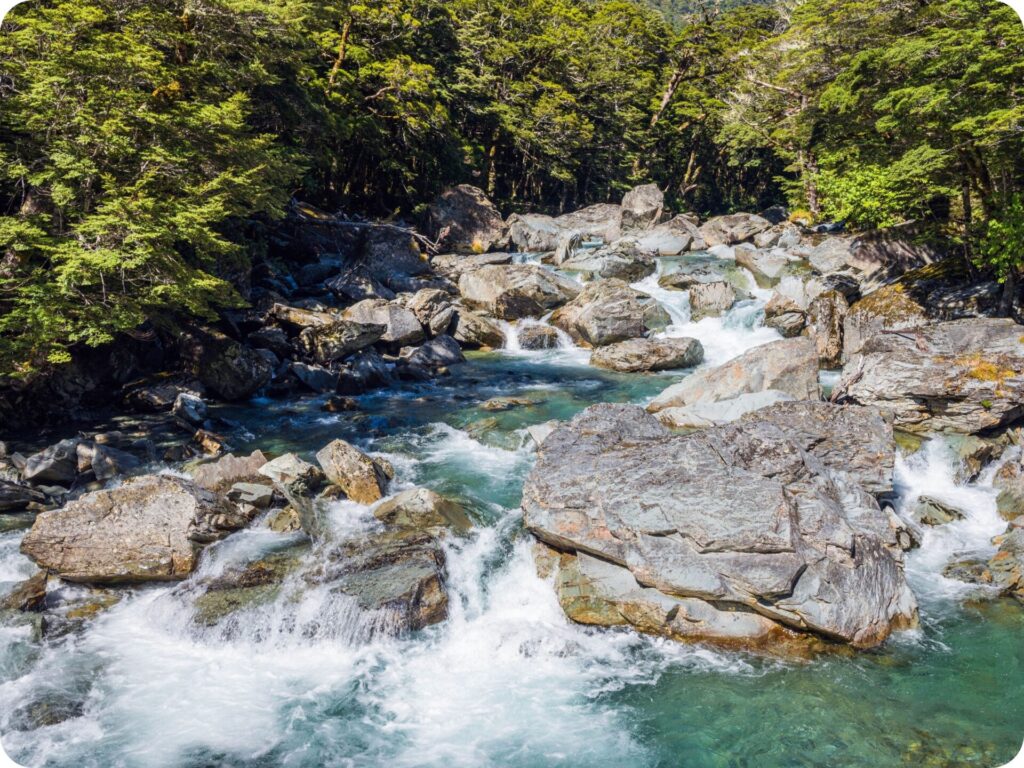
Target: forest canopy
(143, 141)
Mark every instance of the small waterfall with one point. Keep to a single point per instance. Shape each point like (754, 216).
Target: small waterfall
(932, 471)
(723, 338)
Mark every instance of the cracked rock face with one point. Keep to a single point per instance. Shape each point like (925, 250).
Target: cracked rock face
(742, 533)
(962, 376)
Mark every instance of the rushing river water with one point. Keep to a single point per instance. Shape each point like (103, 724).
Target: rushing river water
(507, 680)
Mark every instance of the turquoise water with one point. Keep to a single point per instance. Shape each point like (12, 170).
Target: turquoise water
(507, 681)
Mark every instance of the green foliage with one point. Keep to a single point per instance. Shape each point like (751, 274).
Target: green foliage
(127, 148)
(1002, 243)
(138, 137)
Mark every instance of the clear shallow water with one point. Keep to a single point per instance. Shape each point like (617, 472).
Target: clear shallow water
(506, 681)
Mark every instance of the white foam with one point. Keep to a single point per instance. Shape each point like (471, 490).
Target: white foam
(931, 471)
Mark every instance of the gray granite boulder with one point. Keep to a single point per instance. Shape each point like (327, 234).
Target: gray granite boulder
(734, 519)
(634, 355)
(152, 528)
(789, 365)
(607, 311)
(515, 291)
(962, 376)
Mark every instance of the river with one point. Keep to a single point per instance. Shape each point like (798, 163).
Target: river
(507, 680)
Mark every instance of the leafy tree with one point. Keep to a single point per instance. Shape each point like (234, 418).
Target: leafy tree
(125, 151)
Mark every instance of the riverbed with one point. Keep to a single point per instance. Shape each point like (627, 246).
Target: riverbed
(507, 680)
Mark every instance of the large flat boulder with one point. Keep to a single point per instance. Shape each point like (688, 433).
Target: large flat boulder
(464, 220)
(534, 232)
(515, 291)
(602, 221)
(608, 311)
(152, 528)
(736, 518)
(788, 365)
(962, 376)
(623, 259)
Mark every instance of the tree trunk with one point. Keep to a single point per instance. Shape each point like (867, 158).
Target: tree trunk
(1008, 299)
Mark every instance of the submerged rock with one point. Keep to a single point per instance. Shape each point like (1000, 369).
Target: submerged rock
(28, 595)
(739, 521)
(397, 576)
(422, 509)
(149, 529)
(607, 311)
(789, 365)
(963, 376)
(930, 511)
(536, 337)
(635, 355)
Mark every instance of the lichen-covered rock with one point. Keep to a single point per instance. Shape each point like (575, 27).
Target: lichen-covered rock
(337, 340)
(149, 529)
(15, 496)
(963, 376)
(635, 355)
(607, 311)
(738, 518)
(825, 317)
(789, 365)
(602, 221)
(358, 475)
(515, 291)
(784, 315)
